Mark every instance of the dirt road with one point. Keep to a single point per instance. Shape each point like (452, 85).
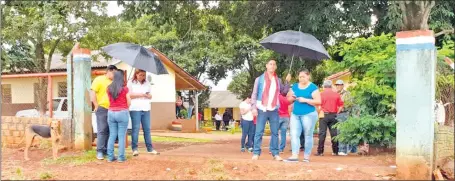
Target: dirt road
(220, 159)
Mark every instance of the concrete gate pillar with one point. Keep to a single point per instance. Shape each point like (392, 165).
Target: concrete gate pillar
(415, 102)
(79, 104)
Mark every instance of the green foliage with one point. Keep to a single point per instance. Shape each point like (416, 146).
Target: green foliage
(372, 64)
(367, 129)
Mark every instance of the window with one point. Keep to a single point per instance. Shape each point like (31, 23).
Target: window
(55, 104)
(62, 90)
(65, 105)
(6, 93)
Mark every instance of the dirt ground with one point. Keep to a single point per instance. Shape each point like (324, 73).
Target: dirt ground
(220, 159)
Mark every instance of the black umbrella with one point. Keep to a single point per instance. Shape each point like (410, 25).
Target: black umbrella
(137, 56)
(296, 43)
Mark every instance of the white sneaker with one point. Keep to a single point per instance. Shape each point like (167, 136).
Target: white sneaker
(277, 158)
(342, 154)
(255, 157)
(135, 153)
(334, 154)
(154, 152)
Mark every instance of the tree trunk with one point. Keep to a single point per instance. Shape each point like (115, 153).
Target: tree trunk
(41, 92)
(415, 14)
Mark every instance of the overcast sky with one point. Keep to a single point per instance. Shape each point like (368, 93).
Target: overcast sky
(113, 9)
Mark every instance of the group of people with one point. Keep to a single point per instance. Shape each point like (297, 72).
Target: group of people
(296, 107)
(115, 102)
(226, 118)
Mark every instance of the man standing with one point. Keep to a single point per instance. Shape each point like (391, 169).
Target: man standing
(331, 105)
(218, 119)
(265, 103)
(343, 116)
(227, 116)
(101, 104)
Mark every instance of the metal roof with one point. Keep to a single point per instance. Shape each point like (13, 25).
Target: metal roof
(223, 99)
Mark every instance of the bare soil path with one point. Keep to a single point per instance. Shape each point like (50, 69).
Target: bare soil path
(194, 158)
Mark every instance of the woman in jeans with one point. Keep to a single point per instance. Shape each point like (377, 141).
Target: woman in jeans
(140, 111)
(117, 116)
(306, 98)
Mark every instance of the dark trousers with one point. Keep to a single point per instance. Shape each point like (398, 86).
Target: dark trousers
(226, 124)
(218, 124)
(102, 130)
(247, 131)
(302, 141)
(328, 121)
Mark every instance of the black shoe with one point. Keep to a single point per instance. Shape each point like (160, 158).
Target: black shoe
(319, 154)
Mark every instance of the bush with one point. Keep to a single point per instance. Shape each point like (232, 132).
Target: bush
(367, 129)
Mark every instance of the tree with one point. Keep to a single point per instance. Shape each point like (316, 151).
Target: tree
(371, 62)
(46, 25)
(413, 15)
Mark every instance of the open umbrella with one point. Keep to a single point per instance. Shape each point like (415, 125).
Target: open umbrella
(296, 43)
(137, 56)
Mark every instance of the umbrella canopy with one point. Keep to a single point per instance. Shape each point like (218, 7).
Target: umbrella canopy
(137, 56)
(296, 43)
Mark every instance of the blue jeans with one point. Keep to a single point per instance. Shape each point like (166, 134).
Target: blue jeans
(190, 112)
(342, 147)
(138, 118)
(247, 130)
(262, 118)
(305, 123)
(284, 122)
(118, 124)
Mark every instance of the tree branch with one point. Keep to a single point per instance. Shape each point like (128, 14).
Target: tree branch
(404, 16)
(444, 32)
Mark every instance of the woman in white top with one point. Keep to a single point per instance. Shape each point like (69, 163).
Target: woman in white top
(140, 94)
(247, 125)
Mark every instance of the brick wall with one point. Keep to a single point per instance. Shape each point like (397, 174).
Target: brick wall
(444, 143)
(13, 129)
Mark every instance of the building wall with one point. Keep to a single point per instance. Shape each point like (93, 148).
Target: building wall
(13, 130)
(162, 103)
(162, 111)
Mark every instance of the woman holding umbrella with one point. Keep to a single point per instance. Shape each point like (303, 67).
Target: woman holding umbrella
(140, 110)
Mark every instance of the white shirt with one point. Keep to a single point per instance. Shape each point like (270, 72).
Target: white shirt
(218, 117)
(248, 116)
(452, 65)
(139, 104)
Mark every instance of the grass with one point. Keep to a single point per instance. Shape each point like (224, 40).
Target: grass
(84, 158)
(19, 175)
(169, 139)
(45, 176)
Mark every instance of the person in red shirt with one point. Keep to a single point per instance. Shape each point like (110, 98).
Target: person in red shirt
(283, 112)
(117, 116)
(331, 105)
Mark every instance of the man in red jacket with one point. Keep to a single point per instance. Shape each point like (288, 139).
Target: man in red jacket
(331, 105)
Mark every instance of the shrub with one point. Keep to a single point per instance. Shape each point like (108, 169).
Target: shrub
(367, 129)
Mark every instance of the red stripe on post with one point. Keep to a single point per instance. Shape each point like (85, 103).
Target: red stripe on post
(415, 33)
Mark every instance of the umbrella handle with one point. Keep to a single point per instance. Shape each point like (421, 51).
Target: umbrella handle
(292, 60)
